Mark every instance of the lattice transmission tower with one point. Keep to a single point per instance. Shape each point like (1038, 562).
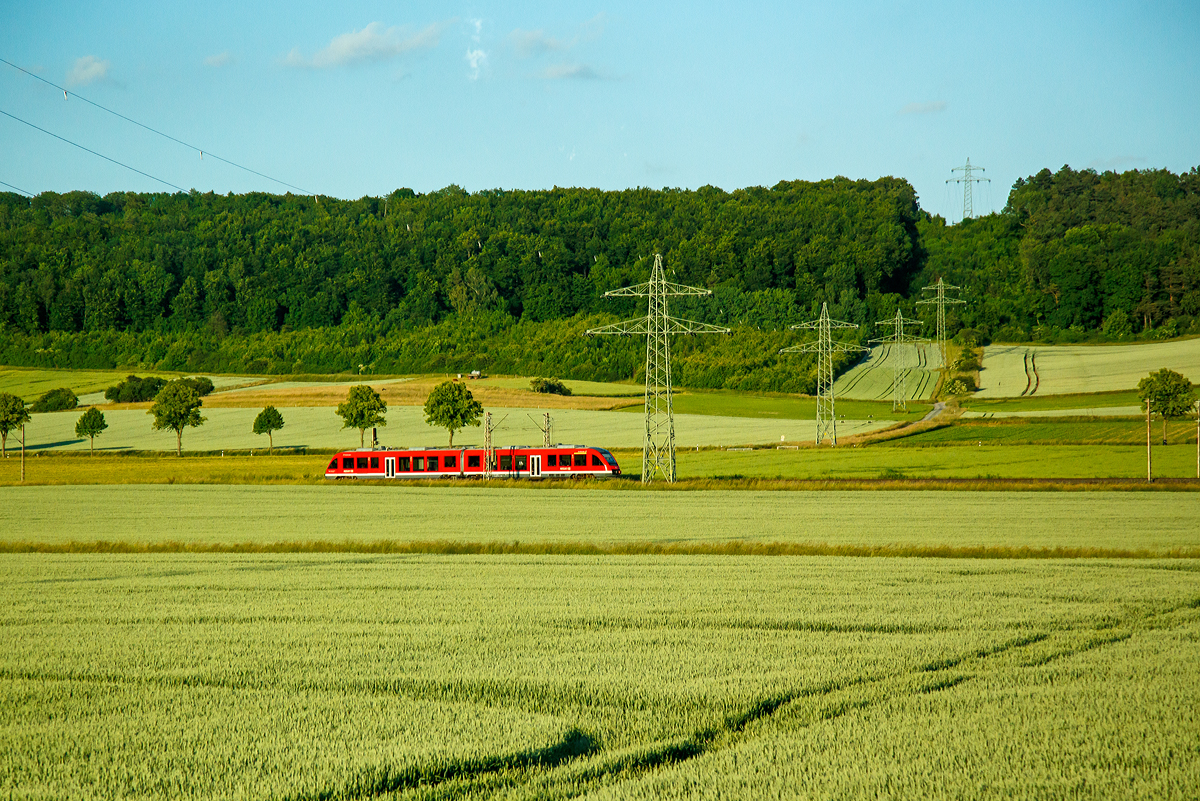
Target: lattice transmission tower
(900, 366)
(940, 300)
(825, 347)
(658, 445)
(967, 180)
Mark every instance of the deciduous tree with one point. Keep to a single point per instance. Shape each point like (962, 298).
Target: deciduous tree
(91, 424)
(13, 414)
(176, 407)
(362, 409)
(269, 421)
(1170, 394)
(452, 406)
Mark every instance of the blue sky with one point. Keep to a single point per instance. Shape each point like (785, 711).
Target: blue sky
(352, 99)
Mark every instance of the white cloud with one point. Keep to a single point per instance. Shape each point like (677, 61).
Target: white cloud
(535, 43)
(932, 107)
(477, 59)
(88, 69)
(372, 43)
(579, 72)
(478, 24)
(219, 60)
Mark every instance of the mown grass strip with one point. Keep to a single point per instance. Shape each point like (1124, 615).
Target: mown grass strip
(463, 548)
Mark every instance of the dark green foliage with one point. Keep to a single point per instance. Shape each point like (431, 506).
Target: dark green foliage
(269, 421)
(362, 409)
(1171, 395)
(91, 424)
(202, 384)
(1076, 255)
(135, 390)
(13, 415)
(452, 406)
(56, 400)
(177, 406)
(257, 262)
(549, 386)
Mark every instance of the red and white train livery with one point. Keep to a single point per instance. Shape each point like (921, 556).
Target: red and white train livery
(557, 461)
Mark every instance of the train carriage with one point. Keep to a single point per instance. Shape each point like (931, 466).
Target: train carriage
(556, 461)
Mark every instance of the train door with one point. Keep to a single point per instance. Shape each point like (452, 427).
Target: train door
(535, 466)
(389, 467)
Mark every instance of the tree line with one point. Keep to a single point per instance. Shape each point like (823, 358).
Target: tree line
(508, 280)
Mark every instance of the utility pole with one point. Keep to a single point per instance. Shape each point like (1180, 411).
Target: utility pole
(487, 445)
(658, 445)
(940, 300)
(899, 367)
(1148, 473)
(967, 180)
(22, 453)
(825, 347)
(544, 427)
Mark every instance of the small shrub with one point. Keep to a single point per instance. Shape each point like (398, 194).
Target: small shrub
(56, 400)
(967, 360)
(549, 386)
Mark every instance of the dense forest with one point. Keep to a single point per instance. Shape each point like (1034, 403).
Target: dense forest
(509, 280)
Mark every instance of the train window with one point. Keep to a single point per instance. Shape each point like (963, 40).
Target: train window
(432, 464)
(552, 460)
(449, 462)
(596, 461)
(522, 462)
(405, 464)
(347, 463)
(506, 462)
(332, 465)
(472, 461)
(580, 460)
(361, 463)
(375, 462)
(419, 464)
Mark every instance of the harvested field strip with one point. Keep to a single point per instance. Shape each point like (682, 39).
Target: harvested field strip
(457, 548)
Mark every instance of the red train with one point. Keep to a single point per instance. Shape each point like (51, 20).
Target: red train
(512, 462)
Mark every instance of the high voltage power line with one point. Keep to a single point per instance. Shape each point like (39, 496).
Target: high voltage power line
(93, 152)
(967, 180)
(825, 347)
(68, 93)
(900, 365)
(17, 188)
(658, 445)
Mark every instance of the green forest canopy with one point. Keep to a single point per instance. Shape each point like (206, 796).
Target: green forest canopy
(452, 280)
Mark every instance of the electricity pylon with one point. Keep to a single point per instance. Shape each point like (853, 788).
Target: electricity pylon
(825, 347)
(940, 300)
(967, 180)
(899, 367)
(658, 445)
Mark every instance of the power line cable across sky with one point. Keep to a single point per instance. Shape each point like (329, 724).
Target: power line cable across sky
(16, 188)
(66, 92)
(93, 152)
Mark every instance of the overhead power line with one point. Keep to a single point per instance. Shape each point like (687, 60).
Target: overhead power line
(93, 152)
(67, 92)
(17, 188)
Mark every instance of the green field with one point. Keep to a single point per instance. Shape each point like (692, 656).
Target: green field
(872, 378)
(1072, 369)
(1053, 403)
(985, 452)
(782, 407)
(1056, 431)
(354, 676)
(338, 512)
(320, 427)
